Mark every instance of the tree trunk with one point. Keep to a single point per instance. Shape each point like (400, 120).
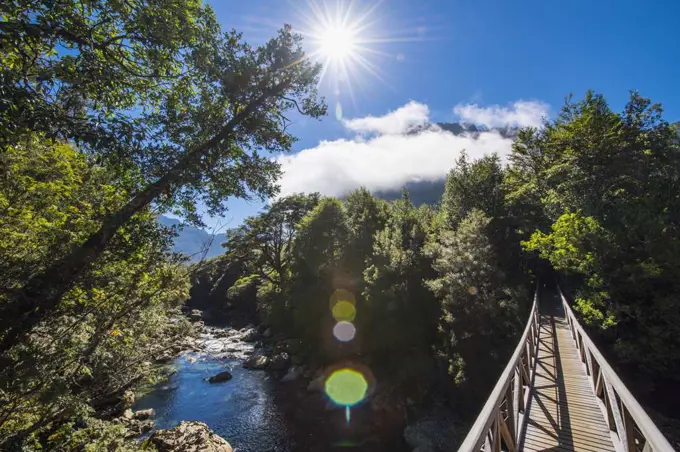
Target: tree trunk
(43, 292)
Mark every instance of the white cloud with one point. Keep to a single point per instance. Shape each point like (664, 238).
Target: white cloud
(334, 168)
(521, 113)
(395, 122)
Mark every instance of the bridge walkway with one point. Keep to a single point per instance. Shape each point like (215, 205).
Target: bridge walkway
(562, 413)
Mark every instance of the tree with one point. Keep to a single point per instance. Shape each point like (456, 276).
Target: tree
(479, 305)
(265, 241)
(201, 143)
(608, 185)
(366, 215)
(98, 340)
(473, 185)
(399, 315)
(317, 271)
(75, 70)
(264, 244)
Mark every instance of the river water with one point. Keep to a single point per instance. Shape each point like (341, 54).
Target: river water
(241, 410)
(252, 410)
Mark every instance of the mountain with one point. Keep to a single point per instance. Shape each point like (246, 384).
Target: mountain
(421, 192)
(430, 192)
(192, 241)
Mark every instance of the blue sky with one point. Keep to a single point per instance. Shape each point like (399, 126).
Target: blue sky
(490, 61)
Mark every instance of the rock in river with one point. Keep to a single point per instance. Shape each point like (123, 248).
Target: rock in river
(189, 436)
(257, 362)
(280, 362)
(143, 414)
(222, 376)
(196, 315)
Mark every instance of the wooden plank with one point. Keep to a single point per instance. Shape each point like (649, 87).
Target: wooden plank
(579, 445)
(566, 441)
(563, 412)
(574, 432)
(571, 429)
(556, 446)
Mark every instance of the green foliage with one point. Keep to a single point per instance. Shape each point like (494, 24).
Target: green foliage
(66, 63)
(479, 304)
(473, 185)
(366, 215)
(604, 187)
(197, 133)
(317, 270)
(398, 322)
(114, 317)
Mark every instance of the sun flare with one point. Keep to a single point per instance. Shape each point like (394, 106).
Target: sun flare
(347, 37)
(337, 43)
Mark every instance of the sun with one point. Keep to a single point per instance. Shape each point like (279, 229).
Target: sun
(337, 43)
(347, 37)
(340, 36)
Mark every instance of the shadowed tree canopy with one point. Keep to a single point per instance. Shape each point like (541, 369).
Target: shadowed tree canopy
(199, 138)
(608, 185)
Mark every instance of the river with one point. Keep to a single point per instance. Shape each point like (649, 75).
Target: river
(241, 410)
(254, 411)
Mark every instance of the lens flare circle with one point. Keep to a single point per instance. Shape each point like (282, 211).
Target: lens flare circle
(344, 331)
(346, 387)
(344, 311)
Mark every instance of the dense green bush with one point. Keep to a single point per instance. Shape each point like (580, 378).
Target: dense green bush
(113, 321)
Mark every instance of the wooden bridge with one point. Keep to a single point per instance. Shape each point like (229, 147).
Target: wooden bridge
(558, 394)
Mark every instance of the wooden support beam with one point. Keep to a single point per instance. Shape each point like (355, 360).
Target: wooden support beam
(599, 383)
(510, 407)
(508, 437)
(616, 414)
(629, 427)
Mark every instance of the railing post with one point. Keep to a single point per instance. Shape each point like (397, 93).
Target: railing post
(510, 407)
(520, 399)
(629, 427)
(497, 433)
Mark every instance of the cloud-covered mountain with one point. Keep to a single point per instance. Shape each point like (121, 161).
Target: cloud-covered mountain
(405, 147)
(193, 241)
(430, 192)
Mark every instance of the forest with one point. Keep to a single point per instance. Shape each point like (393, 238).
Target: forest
(112, 113)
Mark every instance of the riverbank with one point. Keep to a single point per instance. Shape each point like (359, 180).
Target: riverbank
(283, 408)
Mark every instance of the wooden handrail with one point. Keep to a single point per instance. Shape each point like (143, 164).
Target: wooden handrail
(630, 427)
(501, 420)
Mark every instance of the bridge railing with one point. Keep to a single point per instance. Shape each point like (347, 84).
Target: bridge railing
(631, 428)
(501, 421)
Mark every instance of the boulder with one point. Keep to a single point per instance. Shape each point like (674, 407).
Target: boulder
(189, 436)
(164, 357)
(128, 414)
(196, 315)
(128, 398)
(143, 414)
(280, 362)
(250, 335)
(136, 428)
(257, 362)
(318, 384)
(222, 376)
(267, 333)
(432, 433)
(293, 374)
